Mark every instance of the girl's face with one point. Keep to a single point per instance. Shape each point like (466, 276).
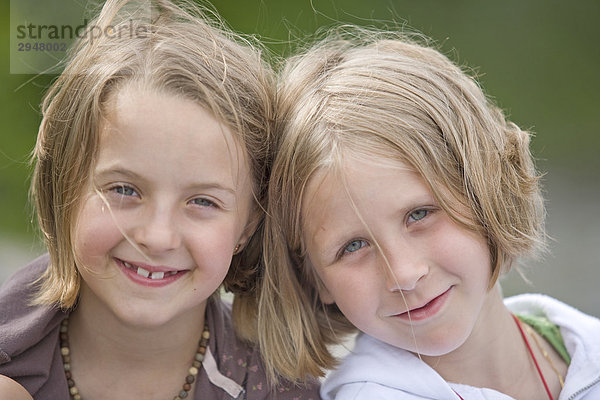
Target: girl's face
(391, 259)
(169, 198)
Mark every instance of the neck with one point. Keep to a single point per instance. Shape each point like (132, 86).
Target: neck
(149, 362)
(494, 345)
(98, 331)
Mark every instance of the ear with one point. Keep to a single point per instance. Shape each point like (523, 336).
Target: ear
(254, 220)
(324, 295)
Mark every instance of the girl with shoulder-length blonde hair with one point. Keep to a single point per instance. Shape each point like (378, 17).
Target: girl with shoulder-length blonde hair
(149, 185)
(398, 195)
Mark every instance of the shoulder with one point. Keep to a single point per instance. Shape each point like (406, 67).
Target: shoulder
(19, 321)
(10, 389)
(19, 289)
(28, 334)
(20, 283)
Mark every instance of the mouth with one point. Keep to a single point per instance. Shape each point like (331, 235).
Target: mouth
(426, 311)
(150, 275)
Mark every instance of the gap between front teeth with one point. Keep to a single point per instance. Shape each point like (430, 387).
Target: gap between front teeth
(147, 274)
(152, 275)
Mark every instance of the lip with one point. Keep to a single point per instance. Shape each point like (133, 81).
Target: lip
(170, 274)
(432, 308)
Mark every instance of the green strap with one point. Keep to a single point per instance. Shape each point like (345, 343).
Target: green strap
(548, 331)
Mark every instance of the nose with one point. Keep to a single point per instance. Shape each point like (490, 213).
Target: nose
(404, 269)
(157, 231)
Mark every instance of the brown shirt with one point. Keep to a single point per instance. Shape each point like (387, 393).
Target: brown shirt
(30, 353)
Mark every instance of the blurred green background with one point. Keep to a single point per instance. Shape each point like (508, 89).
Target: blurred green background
(539, 59)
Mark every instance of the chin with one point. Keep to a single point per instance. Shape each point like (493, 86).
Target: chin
(432, 345)
(444, 343)
(147, 316)
(438, 350)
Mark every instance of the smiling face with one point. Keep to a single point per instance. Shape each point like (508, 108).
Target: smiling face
(391, 259)
(169, 198)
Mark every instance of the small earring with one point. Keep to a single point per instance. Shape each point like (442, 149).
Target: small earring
(237, 248)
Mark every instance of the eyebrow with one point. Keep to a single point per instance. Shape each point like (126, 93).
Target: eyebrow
(106, 172)
(329, 241)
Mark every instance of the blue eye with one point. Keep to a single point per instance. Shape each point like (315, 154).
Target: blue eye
(418, 215)
(124, 190)
(202, 202)
(354, 245)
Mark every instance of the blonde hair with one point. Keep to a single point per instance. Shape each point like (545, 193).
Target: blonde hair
(382, 93)
(180, 50)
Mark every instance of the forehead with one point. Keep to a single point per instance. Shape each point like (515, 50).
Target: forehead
(351, 180)
(353, 164)
(154, 127)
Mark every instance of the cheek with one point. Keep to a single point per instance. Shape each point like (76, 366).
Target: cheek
(462, 252)
(212, 243)
(95, 232)
(353, 293)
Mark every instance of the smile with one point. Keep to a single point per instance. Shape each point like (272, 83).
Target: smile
(150, 276)
(147, 274)
(427, 311)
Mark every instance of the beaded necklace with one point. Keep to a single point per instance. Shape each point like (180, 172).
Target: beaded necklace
(65, 351)
(561, 380)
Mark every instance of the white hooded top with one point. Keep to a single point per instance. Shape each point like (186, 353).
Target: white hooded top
(378, 371)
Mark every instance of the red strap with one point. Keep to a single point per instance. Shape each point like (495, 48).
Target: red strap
(533, 357)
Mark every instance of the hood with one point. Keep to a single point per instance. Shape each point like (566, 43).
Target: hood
(375, 363)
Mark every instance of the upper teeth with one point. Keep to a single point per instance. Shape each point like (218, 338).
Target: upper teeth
(141, 271)
(157, 275)
(145, 273)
